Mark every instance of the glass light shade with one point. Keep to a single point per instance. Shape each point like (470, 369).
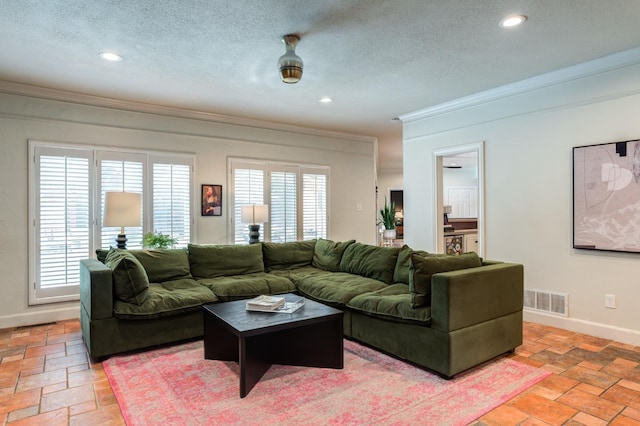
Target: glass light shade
(122, 209)
(290, 64)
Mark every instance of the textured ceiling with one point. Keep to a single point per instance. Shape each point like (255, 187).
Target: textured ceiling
(376, 59)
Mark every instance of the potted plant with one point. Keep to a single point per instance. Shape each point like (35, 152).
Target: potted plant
(158, 240)
(387, 218)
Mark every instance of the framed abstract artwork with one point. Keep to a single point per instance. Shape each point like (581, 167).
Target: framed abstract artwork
(211, 200)
(606, 196)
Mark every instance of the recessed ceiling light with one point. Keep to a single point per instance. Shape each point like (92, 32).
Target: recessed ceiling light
(110, 56)
(512, 21)
(326, 100)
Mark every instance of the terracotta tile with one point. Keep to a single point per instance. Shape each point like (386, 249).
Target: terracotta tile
(559, 349)
(11, 352)
(23, 364)
(67, 337)
(40, 380)
(545, 392)
(76, 348)
(625, 363)
(532, 421)
(623, 395)
(558, 383)
(632, 413)
(13, 358)
(78, 368)
(82, 408)
(530, 348)
(66, 361)
(549, 411)
(44, 350)
(8, 378)
(86, 376)
(554, 369)
(25, 340)
(19, 400)
(588, 420)
(105, 397)
(31, 371)
(23, 413)
(629, 384)
(590, 389)
(590, 404)
(595, 378)
(66, 398)
(503, 416)
(109, 415)
(591, 365)
(52, 418)
(557, 360)
(54, 387)
(527, 361)
(624, 421)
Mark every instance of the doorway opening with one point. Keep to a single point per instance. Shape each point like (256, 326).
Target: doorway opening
(459, 199)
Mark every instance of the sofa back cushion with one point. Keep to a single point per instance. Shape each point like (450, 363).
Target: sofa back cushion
(130, 281)
(164, 264)
(328, 254)
(423, 268)
(279, 256)
(370, 261)
(402, 271)
(209, 261)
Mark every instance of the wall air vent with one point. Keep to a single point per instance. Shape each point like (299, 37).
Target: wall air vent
(546, 301)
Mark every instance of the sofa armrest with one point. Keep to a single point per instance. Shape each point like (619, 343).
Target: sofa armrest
(471, 296)
(96, 289)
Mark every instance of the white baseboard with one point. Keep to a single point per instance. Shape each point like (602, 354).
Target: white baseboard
(40, 317)
(622, 335)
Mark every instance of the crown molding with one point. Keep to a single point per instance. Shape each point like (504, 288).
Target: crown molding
(585, 69)
(53, 94)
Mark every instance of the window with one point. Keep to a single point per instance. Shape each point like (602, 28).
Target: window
(67, 206)
(296, 195)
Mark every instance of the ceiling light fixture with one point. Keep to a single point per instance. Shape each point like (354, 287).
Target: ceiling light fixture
(513, 21)
(110, 56)
(326, 100)
(290, 64)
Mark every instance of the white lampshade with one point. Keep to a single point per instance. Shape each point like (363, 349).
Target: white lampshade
(255, 213)
(122, 209)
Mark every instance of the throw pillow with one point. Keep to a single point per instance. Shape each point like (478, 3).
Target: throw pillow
(370, 261)
(164, 264)
(283, 256)
(402, 272)
(328, 254)
(423, 268)
(130, 281)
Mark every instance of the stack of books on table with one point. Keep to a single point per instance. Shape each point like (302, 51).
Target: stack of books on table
(265, 303)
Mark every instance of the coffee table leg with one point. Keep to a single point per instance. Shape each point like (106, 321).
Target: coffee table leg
(252, 366)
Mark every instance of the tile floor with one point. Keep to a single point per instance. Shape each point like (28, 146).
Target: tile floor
(47, 378)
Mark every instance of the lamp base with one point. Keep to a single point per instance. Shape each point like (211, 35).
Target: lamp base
(122, 241)
(254, 234)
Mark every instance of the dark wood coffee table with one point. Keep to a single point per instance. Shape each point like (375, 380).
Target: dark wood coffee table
(311, 336)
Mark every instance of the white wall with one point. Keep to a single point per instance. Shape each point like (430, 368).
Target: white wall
(89, 120)
(529, 130)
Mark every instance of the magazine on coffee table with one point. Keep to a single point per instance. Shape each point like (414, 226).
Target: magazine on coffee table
(277, 304)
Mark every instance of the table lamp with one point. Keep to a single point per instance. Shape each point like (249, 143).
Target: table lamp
(255, 214)
(122, 209)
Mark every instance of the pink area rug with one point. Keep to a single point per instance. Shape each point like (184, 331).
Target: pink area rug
(177, 386)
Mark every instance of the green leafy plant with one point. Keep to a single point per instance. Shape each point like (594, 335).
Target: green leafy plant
(158, 240)
(387, 214)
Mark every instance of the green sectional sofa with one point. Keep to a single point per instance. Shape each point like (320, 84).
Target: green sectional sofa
(444, 313)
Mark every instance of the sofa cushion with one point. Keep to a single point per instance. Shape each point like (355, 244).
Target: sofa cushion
(402, 270)
(279, 256)
(167, 299)
(391, 303)
(337, 288)
(164, 264)
(328, 254)
(423, 268)
(370, 261)
(130, 281)
(209, 261)
(244, 286)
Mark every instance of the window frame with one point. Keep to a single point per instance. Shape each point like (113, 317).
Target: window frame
(71, 292)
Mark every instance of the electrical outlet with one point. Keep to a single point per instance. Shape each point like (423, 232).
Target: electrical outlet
(610, 301)
(358, 207)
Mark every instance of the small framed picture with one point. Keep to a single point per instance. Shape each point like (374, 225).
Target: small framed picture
(211, 200)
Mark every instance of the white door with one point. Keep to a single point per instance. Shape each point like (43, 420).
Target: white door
(463, 201)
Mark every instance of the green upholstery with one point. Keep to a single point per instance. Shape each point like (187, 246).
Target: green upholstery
(337, 288)
(279, 256)
(164, 264)
(224, 260)
(328, 254)
(402, 271)
(166, 299)
(392, 303)
(130, 281)
(423, 268)
(237, 287)
(370, 261)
